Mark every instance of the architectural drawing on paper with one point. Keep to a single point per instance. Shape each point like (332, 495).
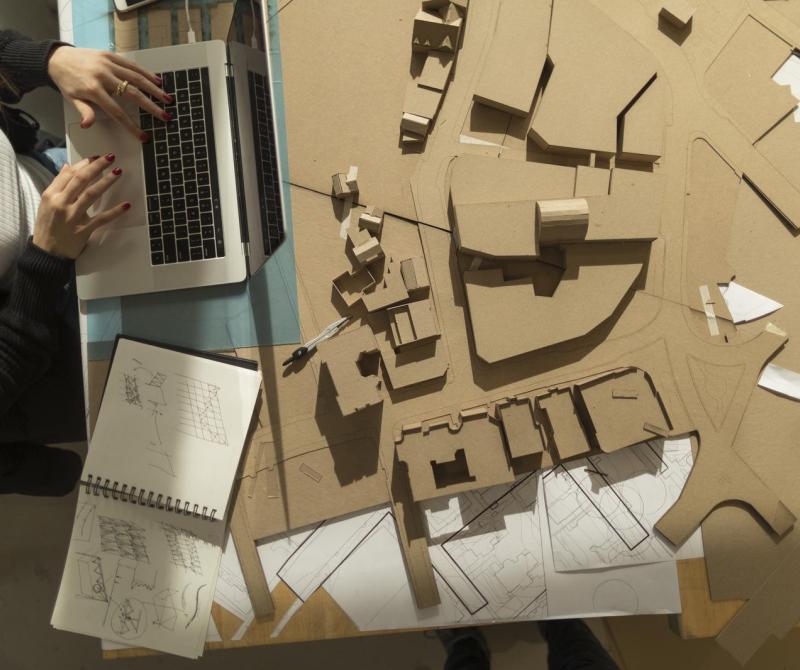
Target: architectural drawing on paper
(128, 619)
(84, 522)
(144, 577)
(123, 538)
(183, 549)
(90, 574)
(200, 414)
(601, 509)
(165, 608)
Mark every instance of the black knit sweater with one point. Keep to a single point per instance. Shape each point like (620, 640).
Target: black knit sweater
(28, 319)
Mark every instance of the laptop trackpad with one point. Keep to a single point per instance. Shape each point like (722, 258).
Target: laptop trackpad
(105, 137)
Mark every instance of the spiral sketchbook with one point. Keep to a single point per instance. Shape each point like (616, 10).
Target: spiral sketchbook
(150, 521)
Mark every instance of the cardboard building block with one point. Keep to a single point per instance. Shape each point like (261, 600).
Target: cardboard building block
(366, 248)
(436, 70)
(421, 102)
(642, 126)
(410, 139)
(351, 286)
(389, 291)
(412, 323)
(341, 187)
(598, 69)
(415, 273)
(677, 12)
(443, 461)
(416, 125)
(517, 54)
(522, 433)
(565, 433)
(438, 4)
(371, 219)
(497, 229)
(621, 409)
(562, 220)
(433, 33)
(341, 356)
(590, 181)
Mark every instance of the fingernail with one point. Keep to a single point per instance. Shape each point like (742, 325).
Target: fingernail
(159, 79)
(117, 171)
(168, 97)
(126, 205)
(144, 137)
(167, 116)
(94, 158)
(110, 158)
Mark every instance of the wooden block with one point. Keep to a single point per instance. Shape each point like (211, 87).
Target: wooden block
(415, 124)
(562, 220)
(677, 12)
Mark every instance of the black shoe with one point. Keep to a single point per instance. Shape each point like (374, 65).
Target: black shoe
(37, 470)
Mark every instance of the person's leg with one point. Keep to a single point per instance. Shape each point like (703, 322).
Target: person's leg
(466, 649)
(573, 646)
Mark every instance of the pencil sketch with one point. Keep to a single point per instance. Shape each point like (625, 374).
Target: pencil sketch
(128, 619)
(123, 538)
(84, 522)
(144, 577)
(200, 413)
(90, 575)
(166, 611)
(183, 549)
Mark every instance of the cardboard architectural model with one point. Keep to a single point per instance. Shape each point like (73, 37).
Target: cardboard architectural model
(548, 283)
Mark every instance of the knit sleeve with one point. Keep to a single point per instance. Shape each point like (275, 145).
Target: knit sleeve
(23, 64)
(29, 322)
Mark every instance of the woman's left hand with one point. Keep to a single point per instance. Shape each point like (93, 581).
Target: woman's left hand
(89, 78)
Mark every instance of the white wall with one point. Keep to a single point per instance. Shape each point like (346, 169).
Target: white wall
(38, 19)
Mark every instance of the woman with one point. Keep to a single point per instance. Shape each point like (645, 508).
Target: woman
(44, 226)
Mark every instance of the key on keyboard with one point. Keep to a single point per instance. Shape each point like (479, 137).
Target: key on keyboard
(171, 172)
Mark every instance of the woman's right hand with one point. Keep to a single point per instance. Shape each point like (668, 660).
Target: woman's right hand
(63, 225)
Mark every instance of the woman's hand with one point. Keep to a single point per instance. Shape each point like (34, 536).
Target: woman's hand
(63, 225)
(87, 77)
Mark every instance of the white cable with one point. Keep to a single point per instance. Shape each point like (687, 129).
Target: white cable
(189, 30)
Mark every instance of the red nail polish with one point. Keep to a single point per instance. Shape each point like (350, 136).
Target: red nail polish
(110, 158)
(117, 171)
(167, 116)
(126, 205)
(144, 137)
(159, 79)
(168, 97)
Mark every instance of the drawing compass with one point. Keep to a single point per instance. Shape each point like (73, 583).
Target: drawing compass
(326, 334)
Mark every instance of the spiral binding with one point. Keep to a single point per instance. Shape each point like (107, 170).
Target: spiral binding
(105, 487)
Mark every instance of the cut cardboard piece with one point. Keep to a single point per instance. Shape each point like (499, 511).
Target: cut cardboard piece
(497, 229)
(415, 274)
(351, 286)
(371, 219)
(596, 280)
(342, 356)
(591, 181)
(410, 138)
(432, 32)
(439, 4)
(252, 571)
(514, 63)
(425, 362)
(773, 610)
(742, 73)
(642, 126)
(389, 290)
(677, 12)
(621, 409)
(421, 102)
(415, 125)
(413, 323)
(781, 146)
(598, 70)
(343, 188)
(436, 70)
(562, 220)
(366, 249)
(444, 460)
(565, 433)
(522, 433)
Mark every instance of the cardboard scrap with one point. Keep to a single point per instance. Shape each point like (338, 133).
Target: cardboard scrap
(515, 61)
(341, 355)
(598, 70)
(497, 229)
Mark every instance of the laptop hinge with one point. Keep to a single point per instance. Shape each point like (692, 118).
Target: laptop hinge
(246, 249)
(228, 70)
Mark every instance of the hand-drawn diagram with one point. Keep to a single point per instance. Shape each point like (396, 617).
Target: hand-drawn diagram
(128, 618)
(601, 510)
(90, 574)
(84, 522)
(144, 577)
(123, 538)
(183, 549)
(200, 414)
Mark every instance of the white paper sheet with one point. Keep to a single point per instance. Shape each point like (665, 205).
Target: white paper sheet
(788, 74)
(746, 305)
(601, 510)
(780, 380)
(231, 590)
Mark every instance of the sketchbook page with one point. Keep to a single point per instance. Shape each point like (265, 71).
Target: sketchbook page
(172, 423)
(139, 576)
(601, 510)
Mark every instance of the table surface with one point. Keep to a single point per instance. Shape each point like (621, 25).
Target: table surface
(321, 617)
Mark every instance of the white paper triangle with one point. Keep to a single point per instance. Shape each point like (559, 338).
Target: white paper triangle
(746, 305)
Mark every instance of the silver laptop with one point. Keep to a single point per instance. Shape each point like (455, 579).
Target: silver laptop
(206, 188)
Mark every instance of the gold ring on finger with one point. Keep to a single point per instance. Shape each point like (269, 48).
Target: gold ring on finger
(121, 88)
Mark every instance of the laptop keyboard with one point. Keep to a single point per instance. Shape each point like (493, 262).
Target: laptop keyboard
(180, 170)
(269, 188)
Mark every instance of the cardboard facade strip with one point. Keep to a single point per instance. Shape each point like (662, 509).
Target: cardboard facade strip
(253, 573)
